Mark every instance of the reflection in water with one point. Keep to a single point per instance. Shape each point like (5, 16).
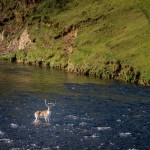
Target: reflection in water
(88, 113)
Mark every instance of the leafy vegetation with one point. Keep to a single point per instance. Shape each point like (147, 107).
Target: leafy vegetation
(109, 31)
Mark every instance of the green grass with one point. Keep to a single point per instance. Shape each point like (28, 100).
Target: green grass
(108, 30)
(123, 35)
(9, 57)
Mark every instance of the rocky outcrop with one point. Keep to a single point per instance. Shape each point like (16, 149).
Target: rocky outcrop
(18, 43)
(24, 40)
(2, 43)
(13, 45)
(2, 36)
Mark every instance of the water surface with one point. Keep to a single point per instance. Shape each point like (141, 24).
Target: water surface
(89, 113)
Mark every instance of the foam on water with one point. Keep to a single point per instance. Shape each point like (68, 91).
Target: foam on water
(2, 134)
(82, 124)
(52, 104)
(48, 148)
(86, 117)
(126, 134)
(103, 128)
(118, 120)
(7, 141)
(74, 117)
(57, 147)
(101, 145)
(133, 149)
(95, 135)
(70, 125)
(14, 126)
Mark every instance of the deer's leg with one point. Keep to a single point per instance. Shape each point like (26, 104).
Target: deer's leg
(36, 119)
(46, 119)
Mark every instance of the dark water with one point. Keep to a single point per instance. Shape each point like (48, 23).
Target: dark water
(89, 114)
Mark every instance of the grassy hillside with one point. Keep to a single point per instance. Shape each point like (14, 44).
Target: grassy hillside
(105, 38)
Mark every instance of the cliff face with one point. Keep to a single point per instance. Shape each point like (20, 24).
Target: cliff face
(106, 39)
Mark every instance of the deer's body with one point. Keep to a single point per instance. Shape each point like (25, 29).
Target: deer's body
(43, 114)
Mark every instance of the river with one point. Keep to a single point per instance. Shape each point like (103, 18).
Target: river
(87, 113)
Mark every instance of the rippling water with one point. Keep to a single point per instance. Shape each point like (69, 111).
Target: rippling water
(88, 113)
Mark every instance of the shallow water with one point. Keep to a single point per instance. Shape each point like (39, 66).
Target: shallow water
(87, 113)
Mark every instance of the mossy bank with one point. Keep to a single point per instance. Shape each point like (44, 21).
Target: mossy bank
(104, 38)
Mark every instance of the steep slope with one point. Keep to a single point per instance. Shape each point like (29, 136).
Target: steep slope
(104, 38)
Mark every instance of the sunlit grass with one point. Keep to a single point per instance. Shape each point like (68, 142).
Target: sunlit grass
(108, 30)
(121, 33)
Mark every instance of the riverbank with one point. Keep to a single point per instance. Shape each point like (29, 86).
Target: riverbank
(102, 39)
(105, 70)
